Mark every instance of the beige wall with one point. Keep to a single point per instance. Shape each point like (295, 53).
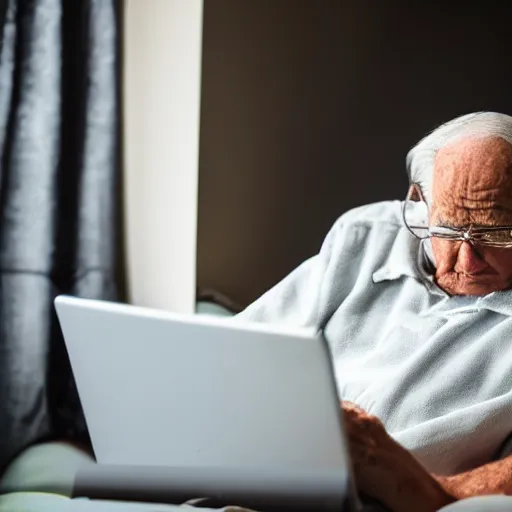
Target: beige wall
(162, 74)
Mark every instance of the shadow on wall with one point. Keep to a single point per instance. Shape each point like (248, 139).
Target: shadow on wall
(308, 109)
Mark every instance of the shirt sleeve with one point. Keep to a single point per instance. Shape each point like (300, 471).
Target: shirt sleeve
(301, 298)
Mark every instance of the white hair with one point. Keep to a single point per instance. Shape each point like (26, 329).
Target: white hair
(420, 159)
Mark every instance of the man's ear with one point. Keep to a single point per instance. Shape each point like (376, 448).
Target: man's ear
(415, 193)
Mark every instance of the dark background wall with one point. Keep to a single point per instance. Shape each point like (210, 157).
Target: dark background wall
(308, 109)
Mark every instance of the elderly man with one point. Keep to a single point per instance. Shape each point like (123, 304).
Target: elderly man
(415, 302)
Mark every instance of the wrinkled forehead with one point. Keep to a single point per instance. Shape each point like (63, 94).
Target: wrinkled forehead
(422, 157)
(476, 165)
(472, 181)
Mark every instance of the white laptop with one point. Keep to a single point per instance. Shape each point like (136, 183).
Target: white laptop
(205, 396)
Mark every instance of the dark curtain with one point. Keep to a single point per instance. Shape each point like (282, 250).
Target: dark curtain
(60, 201)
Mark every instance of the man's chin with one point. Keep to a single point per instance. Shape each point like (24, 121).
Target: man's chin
(460, 284)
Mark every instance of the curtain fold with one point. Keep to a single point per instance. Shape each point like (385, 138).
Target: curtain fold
(60, 195)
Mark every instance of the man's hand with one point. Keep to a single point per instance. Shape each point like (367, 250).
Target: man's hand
(386, 471)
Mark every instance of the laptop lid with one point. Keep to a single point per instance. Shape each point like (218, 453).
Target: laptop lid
(162, 389)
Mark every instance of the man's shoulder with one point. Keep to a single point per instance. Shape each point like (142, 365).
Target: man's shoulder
(376, 225)
(373, 215)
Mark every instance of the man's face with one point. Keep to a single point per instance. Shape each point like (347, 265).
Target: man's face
(472, 185)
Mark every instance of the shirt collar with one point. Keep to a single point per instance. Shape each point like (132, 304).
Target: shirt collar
(408, 257)
(499, 302)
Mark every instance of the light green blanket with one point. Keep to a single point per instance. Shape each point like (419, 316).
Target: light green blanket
(51, 467)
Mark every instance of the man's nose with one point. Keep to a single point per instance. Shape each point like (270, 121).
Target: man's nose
(469, 261)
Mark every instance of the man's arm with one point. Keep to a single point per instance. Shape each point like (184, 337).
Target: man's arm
(419, 490)
(493, 478)
(389, 473)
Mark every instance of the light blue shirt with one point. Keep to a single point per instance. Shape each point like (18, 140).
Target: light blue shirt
(437, 370)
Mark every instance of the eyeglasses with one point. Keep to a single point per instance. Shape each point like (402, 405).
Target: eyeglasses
(416, 219)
